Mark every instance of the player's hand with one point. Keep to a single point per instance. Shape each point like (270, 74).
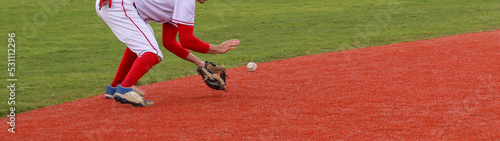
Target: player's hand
(224, 47)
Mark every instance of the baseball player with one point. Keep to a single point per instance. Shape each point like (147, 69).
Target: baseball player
(129, 21)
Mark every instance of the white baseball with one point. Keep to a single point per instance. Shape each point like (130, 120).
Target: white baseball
(251, 66)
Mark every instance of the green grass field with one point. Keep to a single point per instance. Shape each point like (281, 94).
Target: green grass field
(65, 52)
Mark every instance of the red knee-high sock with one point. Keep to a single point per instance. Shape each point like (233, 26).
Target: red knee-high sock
(141, 66)
(125, 65)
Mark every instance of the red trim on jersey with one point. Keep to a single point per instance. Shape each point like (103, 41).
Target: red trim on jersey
(182, 22)
(125, 11)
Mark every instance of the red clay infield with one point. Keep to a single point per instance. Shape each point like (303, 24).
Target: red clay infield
(446, 88)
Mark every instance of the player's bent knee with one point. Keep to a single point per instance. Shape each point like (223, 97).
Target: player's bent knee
(153, 57)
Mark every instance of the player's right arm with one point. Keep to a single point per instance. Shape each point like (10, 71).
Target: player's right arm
(189, 41)
(224, 47)
(184, 15)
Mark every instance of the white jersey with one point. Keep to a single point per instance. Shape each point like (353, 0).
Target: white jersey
(162, 11)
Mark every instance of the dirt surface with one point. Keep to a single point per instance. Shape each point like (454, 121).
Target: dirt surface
(446, 88)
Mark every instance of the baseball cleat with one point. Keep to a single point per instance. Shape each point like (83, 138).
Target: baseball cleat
(110, 92)
(126, 95)
(138, 91)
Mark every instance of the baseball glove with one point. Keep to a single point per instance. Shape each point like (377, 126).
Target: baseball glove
(208, 73)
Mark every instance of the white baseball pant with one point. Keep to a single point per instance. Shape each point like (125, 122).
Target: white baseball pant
(125, 22)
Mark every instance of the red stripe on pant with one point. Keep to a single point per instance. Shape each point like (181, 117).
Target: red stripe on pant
(125, 11)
